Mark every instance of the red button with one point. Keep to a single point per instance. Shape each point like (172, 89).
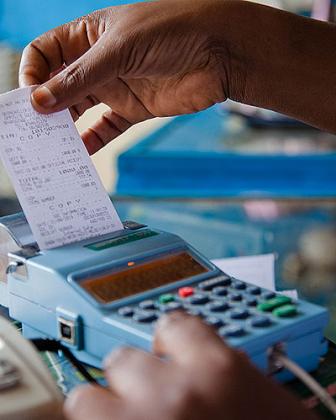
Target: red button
(185, 292)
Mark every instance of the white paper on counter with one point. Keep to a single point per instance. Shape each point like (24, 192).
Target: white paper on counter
(257, 270)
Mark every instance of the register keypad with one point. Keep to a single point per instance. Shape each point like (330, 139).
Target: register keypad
(233, 307)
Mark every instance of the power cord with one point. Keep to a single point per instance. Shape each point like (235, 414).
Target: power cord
(279, 359)
(55, 346)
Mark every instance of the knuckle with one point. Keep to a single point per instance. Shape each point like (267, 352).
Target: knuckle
(43, 41)
(36, 43)
(74, 76)
(198, 328)
(121, 356)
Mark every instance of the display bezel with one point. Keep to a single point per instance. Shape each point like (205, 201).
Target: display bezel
(76, 278)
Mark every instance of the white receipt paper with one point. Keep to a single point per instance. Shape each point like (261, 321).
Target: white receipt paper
(56, 183)
(255, 269)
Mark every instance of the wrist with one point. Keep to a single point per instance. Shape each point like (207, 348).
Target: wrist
(278, 60)
(245, 43)
(219, 21)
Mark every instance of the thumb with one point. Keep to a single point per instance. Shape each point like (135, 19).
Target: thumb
(73, 84)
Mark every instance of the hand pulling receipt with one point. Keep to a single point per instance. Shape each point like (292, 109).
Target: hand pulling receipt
(56, 183)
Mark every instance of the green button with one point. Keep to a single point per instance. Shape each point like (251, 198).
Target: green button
(166, 298)
(271, 304)
(286, 311)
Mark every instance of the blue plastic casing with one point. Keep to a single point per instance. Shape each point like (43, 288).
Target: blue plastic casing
(45, 294)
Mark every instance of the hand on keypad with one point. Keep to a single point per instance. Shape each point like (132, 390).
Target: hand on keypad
(196, 377)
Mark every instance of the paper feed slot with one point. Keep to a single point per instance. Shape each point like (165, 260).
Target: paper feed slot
(15, 235)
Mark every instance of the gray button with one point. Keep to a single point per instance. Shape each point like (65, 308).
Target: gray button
(251, 301)
(260, 321)
(217, 306)
(239, 313)
(145, 317)
(195, 312)
(218, 281)
(268, 295)
(214, 321)
(233, 331)
(147, 304)
(254, 290)
(239, 285)
(235, 297)
(220, 291)
(198, 299)
(126, 311)
(171, 306)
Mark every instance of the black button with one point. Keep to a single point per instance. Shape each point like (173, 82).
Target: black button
(268, 295)
(239, 313)
(171, 306)
(235, 297)
(260, 321)
(145, 317)
(126, 311)
(214, 321)
(218, 281)
(254, 290)
(147, 304)
(232, 331)
(217, 306)
(239, 285)
(220, 291)
(198, 299)
(251, 301)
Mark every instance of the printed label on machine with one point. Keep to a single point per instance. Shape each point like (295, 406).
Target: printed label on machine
(56, 183)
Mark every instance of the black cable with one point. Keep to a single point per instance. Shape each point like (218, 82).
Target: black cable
(54, 346)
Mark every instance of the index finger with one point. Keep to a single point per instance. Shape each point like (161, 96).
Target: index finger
(59, 46)
(187, 340)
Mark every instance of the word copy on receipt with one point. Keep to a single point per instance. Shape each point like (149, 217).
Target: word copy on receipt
(56, 183)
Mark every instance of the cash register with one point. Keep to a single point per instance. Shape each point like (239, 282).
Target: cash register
(109, 291)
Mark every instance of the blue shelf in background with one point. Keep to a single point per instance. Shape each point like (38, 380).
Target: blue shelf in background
(190, 157)
(23, 20)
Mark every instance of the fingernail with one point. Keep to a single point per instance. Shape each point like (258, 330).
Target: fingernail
(43, 97)
(171, 317)
(111, 358)
(107, 362)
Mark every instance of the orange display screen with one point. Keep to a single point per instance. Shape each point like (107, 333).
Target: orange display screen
(139, 278)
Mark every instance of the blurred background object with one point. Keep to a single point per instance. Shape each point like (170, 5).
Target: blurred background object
(233, 180)
(214, 154)
(9, 59)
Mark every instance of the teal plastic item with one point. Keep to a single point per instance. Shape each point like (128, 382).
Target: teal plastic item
(192, 156)
(96, 300)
